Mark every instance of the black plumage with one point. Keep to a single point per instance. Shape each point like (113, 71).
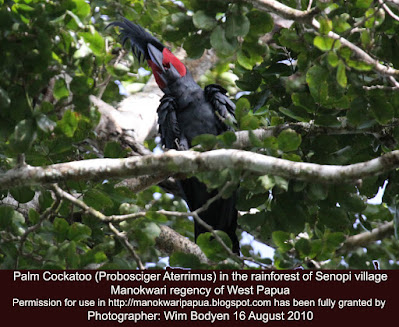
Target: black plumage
(185, 112)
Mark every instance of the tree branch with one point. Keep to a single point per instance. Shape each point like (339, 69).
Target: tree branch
(364, 239)
(308, 17)
(283, 10)
(170, 241)
(125, 241)
(190, 162)
(243, 140)
(360, 53)
(61, 194)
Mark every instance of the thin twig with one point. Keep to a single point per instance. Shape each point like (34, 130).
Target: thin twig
(125, 241)
(118, 218)
(104, 84)
(93, 212)
(388, 10)
(309, 5)
(308, 18)
(47, 214)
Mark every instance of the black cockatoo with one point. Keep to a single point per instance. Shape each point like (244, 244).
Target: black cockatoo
(185, 112)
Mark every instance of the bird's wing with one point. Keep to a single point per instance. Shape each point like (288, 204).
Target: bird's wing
(171, 135)
(223, 106)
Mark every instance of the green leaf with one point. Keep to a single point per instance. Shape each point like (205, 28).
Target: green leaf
(5, 100)
(255, 141)
(364, 4)
(382, 110)
(207, 141)
(203, 21)
(357, 113)
(295, 113)
(252, 53)
(249, 122)
(353, 202)
(328, 121)
(114, 150)
(71, 257)
(237, 24)
(211, 247)
(69, 123)
(317, 191)
(250, 81)
(78, 232)
(377, 212)
(333, 59)
(60, 89)
(22, 194)
(221, 43)
(95, 42)
(6, 214)
(326, 43)
(282, 240)
(228, 138)
(267, 182)
(79, 7)
(304, 247)
(260, 22)
(359, 65)
(282, 184)
(305, 101)
(24, 135)
(289, 38)
(33, 216)
(22, 7)
(97, 199)
(341, 74)
(316, 78)
(247, 200)
(334, 240)
(340, 23)
(325, 25)
(244, 60)
(335, 219)
(61, 228)
(195, 45)
(185, 260)
(366, 38)
(374, 17)
(46, 107)
(83, 52)
(151, 231)
(289, 140)
(44, 123)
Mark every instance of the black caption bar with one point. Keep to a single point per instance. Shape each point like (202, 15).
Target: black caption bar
(175, 297)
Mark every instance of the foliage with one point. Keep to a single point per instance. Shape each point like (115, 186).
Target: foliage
(56, 53)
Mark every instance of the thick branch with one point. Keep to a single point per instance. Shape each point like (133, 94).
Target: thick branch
(243, 140)
(193, 162)
(283, 10)
(170, 241)
(364, 239)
